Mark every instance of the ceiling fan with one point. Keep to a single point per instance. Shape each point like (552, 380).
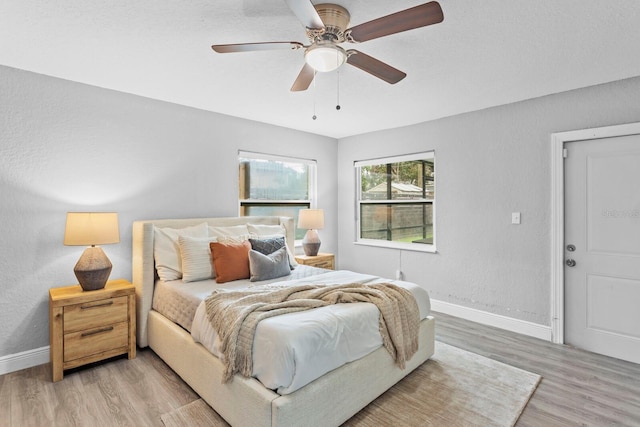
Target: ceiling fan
(326, 27)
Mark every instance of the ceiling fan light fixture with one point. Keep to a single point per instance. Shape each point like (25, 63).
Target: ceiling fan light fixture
(325, 57)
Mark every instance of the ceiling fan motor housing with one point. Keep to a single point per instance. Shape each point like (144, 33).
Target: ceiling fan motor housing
(336, 20)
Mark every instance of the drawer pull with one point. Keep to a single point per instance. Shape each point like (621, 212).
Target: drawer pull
(97, 331)
(85, 307)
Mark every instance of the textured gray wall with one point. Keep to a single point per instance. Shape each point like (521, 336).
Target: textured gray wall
(66, 146)
(489, 163)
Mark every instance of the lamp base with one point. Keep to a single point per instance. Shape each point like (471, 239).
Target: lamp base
(93, 269)
(311, 243)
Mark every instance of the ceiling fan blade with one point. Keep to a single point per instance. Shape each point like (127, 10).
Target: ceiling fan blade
(304, 79)
(250, 47)
(306, 13)
(415, 17)
(374, 67)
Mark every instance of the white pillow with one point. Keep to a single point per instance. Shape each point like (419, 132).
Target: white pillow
(195, 253)
(234, 233)
(266, 230)
(263, 230)
(167, 252)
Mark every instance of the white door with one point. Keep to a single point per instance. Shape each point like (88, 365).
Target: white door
(602, 246)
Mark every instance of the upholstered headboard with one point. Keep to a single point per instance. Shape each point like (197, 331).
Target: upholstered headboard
(143, 266)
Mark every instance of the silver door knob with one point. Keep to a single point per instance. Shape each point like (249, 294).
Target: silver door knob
(570, 263)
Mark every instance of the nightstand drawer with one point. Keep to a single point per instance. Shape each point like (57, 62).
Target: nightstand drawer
(322, 260)
(79, 317)
(328, 264)
(97, 340)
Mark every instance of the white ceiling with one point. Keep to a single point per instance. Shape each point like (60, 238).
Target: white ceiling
(485, 53)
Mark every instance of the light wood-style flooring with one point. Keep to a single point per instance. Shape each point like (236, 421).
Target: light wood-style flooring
(578, 388)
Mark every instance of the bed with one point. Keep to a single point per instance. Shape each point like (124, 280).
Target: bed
(328, 400)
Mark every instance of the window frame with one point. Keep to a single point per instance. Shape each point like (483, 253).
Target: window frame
(419, 247)
(312, 190)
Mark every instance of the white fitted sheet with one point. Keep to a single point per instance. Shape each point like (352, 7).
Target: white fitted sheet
(291, 350)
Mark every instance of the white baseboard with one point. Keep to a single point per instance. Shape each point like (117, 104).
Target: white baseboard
(503, 322)
(23, 360)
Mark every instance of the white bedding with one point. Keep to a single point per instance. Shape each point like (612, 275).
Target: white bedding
(291, 350)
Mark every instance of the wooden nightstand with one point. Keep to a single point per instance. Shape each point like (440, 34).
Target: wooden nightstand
(321, 260)
(87, 326)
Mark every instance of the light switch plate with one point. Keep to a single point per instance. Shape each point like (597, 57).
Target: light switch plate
(515, 218)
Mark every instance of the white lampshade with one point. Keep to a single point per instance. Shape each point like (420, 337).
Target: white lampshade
(311, 219)
(325, 57)
(91, 228)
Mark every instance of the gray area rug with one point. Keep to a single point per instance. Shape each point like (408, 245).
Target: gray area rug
(453, 388)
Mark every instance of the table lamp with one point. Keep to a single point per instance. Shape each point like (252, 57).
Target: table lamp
(312, 220)
(91, 229)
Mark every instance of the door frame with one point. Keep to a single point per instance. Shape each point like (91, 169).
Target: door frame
(557, 212)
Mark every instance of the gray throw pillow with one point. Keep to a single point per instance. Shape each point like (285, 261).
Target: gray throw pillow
(271, 266)
(267, 245)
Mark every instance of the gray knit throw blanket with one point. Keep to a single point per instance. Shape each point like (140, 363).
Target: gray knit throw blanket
(235, 316)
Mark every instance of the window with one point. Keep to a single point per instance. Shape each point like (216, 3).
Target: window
(396, 201)
(273, 185)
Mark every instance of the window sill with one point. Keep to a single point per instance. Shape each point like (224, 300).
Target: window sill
(416, 247)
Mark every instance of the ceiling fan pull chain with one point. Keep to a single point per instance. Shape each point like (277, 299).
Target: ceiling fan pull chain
(338, 85)
(314, 95)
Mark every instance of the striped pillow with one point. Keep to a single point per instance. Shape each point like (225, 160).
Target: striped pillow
(196, 258)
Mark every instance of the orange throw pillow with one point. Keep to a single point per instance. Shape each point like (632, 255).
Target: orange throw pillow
(231, 261)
